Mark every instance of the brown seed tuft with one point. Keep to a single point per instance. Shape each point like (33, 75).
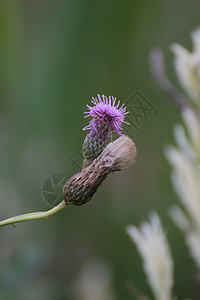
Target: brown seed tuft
(80, 188)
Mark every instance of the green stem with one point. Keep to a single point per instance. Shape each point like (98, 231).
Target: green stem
(33, 216)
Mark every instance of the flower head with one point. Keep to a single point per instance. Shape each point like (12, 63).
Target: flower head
(106, 111)
(116, 156)
(153, 247)
(107, 116)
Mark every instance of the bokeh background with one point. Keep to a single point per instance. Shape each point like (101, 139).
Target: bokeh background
(54, 56)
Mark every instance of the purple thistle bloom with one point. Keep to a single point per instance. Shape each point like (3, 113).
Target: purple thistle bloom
(105, 111)
(107, 117)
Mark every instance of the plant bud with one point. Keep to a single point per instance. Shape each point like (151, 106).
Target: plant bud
(80, 188)
(95, 142)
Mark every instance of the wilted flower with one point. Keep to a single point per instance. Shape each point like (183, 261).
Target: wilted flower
(80, 188)
(153, 246)
(107, 116)
(187, 65)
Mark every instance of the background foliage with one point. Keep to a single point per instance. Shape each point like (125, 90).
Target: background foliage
(54, 56)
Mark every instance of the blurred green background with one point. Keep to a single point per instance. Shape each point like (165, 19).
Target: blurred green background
(54, 56)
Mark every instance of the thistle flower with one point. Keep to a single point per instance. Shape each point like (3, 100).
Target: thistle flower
(117, 155)
(107, 117)
(153, 246)
(187, 65)
(80, 188)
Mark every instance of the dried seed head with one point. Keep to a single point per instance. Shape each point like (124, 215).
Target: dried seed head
(80, 188)
(122, 152)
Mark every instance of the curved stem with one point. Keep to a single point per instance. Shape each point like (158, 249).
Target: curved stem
(33, 216)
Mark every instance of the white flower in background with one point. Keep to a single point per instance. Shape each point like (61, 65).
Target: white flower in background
(185, 157)
(192, 238)
(192, 123)
(153, 246)
(187, 65)
(193, 242)
(185, 160)
(186, 179)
